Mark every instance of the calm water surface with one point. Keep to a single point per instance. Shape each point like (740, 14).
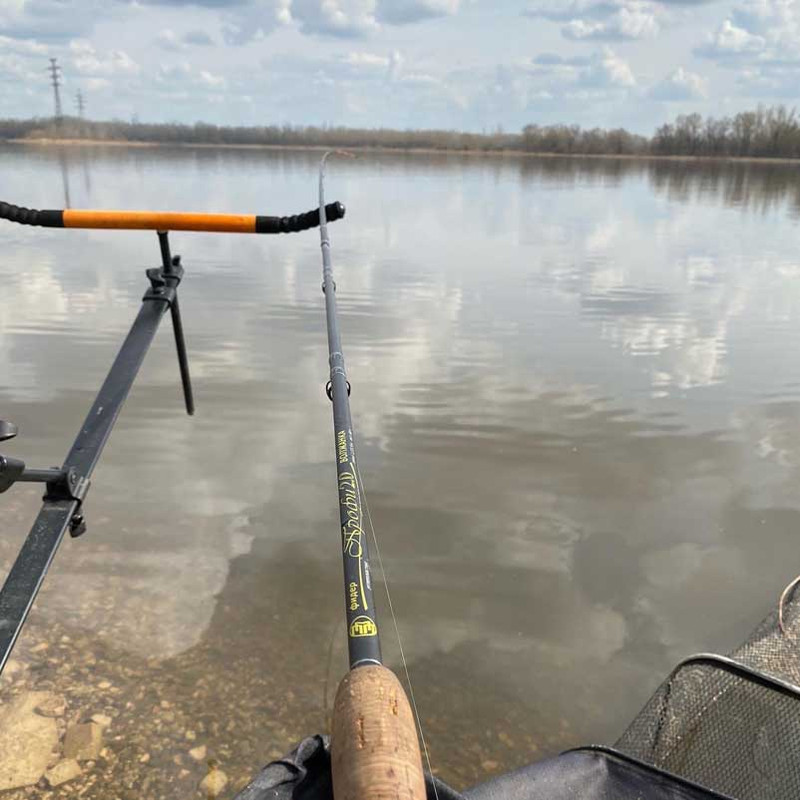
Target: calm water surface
(576, 389)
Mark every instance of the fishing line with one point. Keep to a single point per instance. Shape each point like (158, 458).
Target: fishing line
(397, 632)
(782, 603)
(326, 684)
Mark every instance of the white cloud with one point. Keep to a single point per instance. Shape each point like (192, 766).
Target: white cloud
(731, 41)
(395, 64)
(85, 60)
(607, 69)
(283, 14)
(170, 73)
(761, 31)
(555, 67)
(421, 79)
(681, 84)
(366, 60)
(169, 40)
(339, 18)
(760, 40)
(581, 29)
(603, 70)
(214, 81)
(541, 88)
(254, 21)
(357, 18)
(386, 67)
(13, 68)
(632, 21)
(771, 18)
(248, 20)
(54, 21)
(563, 10)
(21, 60)
(607, 20)
(28, 47)
(95, 84)
(775, 83)
(401, 12)
(197, 37)
(181, 76)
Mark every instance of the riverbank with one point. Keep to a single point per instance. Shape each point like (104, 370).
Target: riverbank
(473, 153)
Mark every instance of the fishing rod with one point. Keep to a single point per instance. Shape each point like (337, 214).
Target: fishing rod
(375, 752)
(66, 486)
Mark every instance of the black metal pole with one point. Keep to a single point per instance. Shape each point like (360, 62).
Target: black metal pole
(41, 475)
(363, 642)
(177, 326)
(60, 512)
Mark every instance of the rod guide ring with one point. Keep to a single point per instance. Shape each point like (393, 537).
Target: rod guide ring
(329, 390)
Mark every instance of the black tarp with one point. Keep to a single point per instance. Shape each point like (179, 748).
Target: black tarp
(589, 774)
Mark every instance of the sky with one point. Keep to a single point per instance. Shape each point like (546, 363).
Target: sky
(477, 65)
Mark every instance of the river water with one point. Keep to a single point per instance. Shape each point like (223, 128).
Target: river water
(576, 392)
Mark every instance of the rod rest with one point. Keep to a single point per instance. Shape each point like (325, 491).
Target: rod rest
(156, 220)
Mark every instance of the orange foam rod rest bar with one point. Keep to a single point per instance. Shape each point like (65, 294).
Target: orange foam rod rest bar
(160, 221)
(168, 220)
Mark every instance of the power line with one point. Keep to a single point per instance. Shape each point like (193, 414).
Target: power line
(55, 80)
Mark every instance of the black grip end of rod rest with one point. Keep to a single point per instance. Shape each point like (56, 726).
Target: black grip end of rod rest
(30, 216)
(299, 222)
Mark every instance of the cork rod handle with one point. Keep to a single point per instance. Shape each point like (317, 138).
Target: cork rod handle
(374, 747)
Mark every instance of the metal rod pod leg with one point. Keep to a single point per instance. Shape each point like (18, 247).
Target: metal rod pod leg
(177, 325)
(183, 359)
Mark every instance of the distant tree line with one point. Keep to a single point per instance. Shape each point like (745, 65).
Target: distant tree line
(766, 132)
(280, 135)
(573, 140)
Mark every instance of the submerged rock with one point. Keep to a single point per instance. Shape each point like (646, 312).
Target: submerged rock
(53, 705)
(83, 741)
(214, 783)
(13, 667)
(64, 771)
(27, 741)
(198, 753)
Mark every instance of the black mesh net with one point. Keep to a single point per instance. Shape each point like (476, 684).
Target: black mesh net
(731, 724)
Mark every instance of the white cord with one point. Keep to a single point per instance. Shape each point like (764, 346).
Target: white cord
(782, 603)
(397, 633)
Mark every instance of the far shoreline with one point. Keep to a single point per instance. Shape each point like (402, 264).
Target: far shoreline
(473, 153)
